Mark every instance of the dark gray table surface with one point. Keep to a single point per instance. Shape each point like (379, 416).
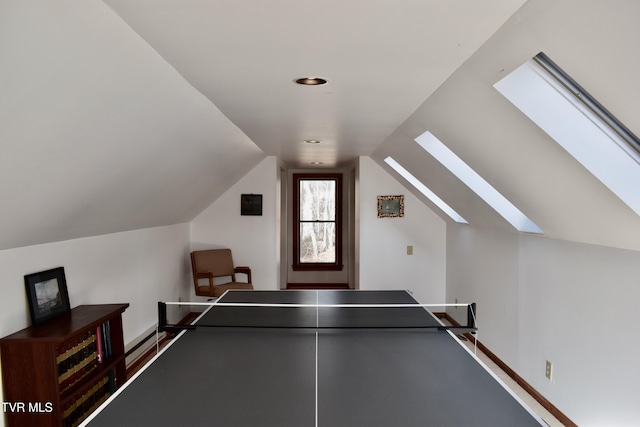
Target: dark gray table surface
(306, 376)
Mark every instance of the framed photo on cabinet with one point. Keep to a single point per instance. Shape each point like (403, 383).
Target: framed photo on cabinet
(47, 294)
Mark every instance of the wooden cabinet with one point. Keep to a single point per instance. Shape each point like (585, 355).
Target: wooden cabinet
(57, 373)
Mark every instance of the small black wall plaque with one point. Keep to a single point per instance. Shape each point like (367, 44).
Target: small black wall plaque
(251, 204)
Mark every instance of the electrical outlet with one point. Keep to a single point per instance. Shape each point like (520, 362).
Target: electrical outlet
(409, 250)
(549, 370)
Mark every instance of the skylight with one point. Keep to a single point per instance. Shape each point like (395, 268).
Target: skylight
(577, 122)
(424, 190)
(476, 183)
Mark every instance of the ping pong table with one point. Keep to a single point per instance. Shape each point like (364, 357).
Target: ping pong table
(314, 358)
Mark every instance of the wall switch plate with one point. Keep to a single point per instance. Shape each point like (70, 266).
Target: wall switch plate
(549, 370)
(409, 250)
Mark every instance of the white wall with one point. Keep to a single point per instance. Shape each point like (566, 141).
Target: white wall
(138, 267)
(570, 303)
(382, 242)
(482, 267)
(579, 304)
(254, 240)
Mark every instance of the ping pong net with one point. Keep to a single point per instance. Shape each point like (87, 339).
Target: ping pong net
(316, 314)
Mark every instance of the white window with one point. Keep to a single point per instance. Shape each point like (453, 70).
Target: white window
(424, 190)
(476, 183)
(576, 121)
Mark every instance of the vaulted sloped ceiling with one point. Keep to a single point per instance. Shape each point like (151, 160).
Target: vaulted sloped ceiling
(120, 115)
(99, 134)
(596, 43)
(382, 58)
(124, 114)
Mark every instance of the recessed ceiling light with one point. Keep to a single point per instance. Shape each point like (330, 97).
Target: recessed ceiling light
(317, 163)
(311, 81)
(311, 141)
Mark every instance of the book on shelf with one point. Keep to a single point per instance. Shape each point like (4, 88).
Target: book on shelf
(104, 341)
(76, 359)
(76, 411)
(79, 357)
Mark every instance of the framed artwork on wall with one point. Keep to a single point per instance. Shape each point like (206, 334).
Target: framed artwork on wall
(47, 294)
(251, 204)
(390, 206)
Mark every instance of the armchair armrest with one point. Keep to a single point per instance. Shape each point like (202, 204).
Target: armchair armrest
(205, 275)
(245, 270)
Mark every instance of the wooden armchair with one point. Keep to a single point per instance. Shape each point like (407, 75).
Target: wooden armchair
(216, 263)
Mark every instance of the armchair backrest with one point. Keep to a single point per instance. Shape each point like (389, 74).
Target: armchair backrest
(218, 262)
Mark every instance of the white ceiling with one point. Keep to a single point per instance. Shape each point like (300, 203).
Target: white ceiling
(594, 42)
(382, 58)
(98, 133)
(125, 114)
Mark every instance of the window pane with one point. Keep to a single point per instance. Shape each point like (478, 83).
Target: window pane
(576, 128)
(317, 230)
(424, 190)
(317, 200)
(317, 242)
(475, 182)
